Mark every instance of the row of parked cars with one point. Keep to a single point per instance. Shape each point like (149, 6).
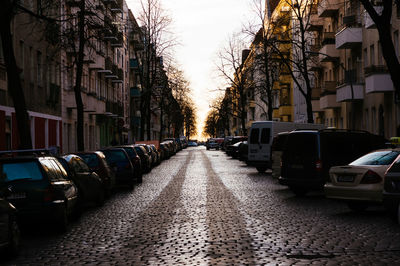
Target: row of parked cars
(38, 186)
(356, 167)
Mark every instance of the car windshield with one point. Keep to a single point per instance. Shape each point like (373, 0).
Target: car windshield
(377, 158)
(21, 170)
(91, 160)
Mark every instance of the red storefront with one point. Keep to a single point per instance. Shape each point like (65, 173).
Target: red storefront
(46, 130)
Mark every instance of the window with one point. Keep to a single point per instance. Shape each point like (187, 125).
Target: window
(254, 135)
(372, 54)
(366, 119)
(265, 135)
(39, 68)
(379, 54)
(21, 170)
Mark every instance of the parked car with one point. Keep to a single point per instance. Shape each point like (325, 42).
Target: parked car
(212, 144)
(157, 152)
(164, 151)
(261, 136)
(233, 141)
(360, 183)
(90, 187)
(391, 189)
(10, 236)
(277, 147)
(309, 154)
(235, 149)
(135, 160)
(244, 151)
(39, 189)
(152, 155)
(173, 143)
(120, 163)
(96, 160)
(144, 158)
(192, 144)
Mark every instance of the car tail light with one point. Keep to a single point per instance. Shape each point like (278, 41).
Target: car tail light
(128, 166)
(48, 194)
(318, 165)
(371, 177)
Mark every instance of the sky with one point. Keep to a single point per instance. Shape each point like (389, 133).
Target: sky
(203, 28)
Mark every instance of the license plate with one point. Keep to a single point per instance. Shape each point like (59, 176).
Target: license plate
(345, 178)
(20, 195)
(297, 166)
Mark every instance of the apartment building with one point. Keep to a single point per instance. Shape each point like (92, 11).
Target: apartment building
(105, 82)
(38, 59)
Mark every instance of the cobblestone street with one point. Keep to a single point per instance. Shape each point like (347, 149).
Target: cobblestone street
(202, 207)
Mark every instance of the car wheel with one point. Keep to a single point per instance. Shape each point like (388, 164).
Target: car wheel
(261, 169)
(14, 238)
(357, 206)
(298, 191)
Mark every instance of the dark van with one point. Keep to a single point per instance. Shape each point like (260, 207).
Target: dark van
(309, 154)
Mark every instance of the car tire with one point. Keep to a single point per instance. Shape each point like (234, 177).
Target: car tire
(357, 206)
(14, 238)
(299, 191)
(140, 177)
(261, 169)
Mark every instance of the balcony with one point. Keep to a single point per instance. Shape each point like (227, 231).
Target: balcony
(135, 40)
(114, 72)
(316, 107)
(119, 41)
(328, 101)
(351, 35)
(351, 88)
(328, 51)
(107, 66)
(328, 8)
(135, 92)
(377, 79)
(369, 23)
(285, 110)
(328, 87)
(98, 63)
(120, 76)
(316, 23)
(133, 63)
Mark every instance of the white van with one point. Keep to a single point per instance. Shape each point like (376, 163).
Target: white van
(260, 140)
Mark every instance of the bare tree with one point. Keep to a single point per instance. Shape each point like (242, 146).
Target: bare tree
(382, 21)
(158, 40)
(232, 68)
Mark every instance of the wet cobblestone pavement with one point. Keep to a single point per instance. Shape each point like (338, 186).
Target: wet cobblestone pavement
(202, 207)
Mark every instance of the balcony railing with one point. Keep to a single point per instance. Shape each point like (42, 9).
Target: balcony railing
(328, 87)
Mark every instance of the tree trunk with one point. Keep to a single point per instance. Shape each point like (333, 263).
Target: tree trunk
(389, 54)
(79, 70)
(14, 82)
(268, 81)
